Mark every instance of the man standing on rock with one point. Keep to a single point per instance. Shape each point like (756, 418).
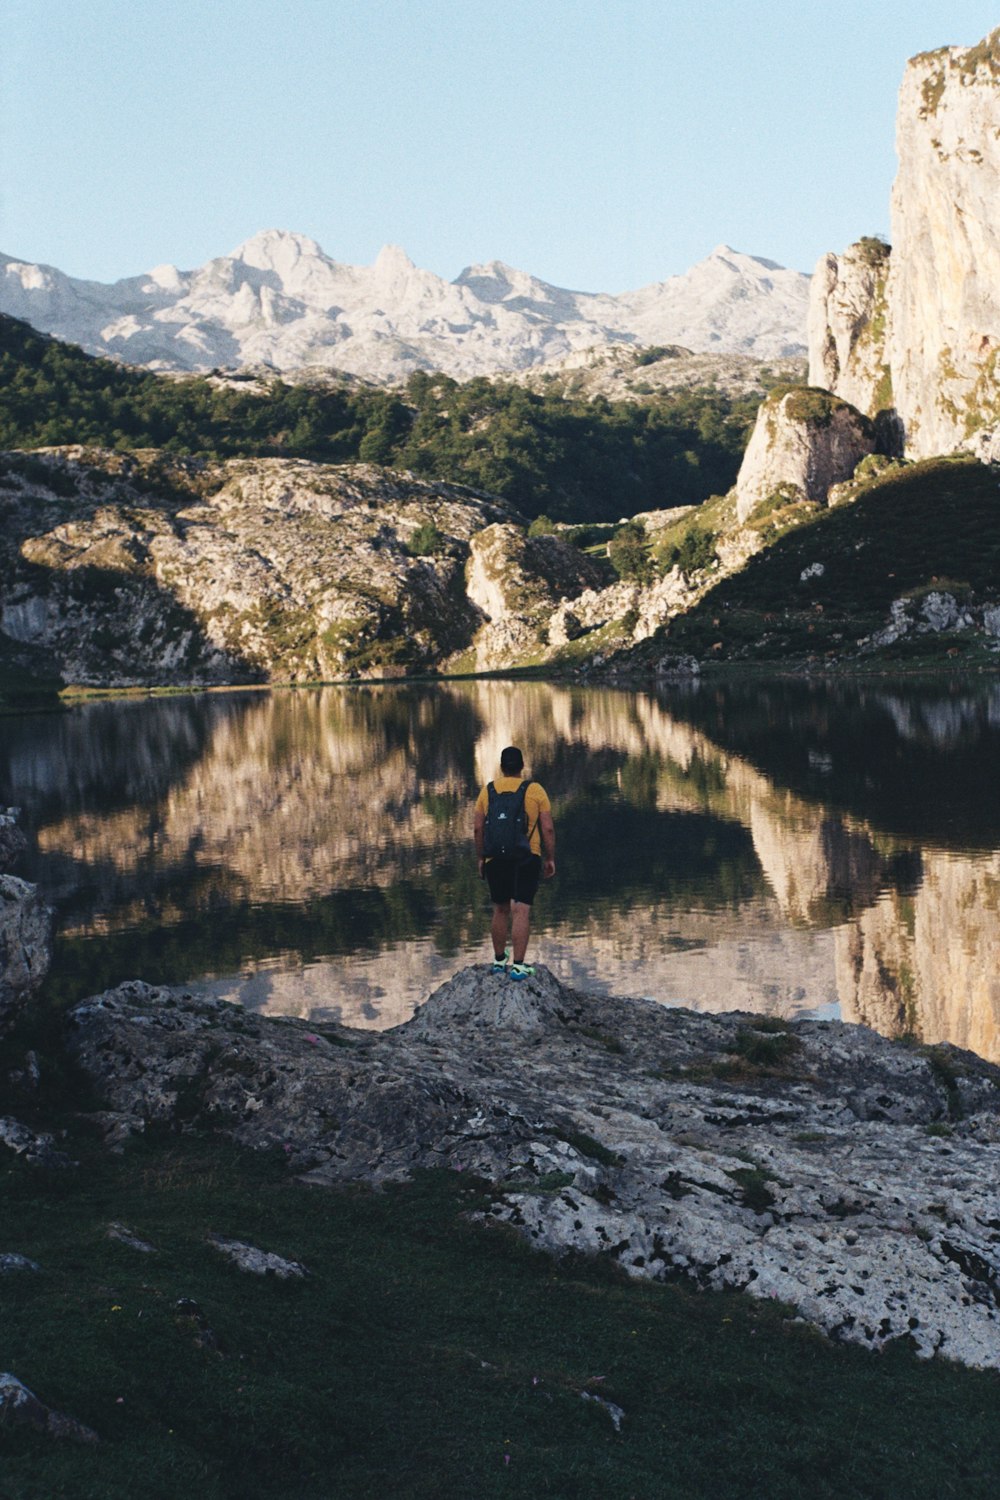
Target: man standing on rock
(513, 823)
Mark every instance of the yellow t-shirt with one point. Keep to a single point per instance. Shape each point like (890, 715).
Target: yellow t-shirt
(535, 803)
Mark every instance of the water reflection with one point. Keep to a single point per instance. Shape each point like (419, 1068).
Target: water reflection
(792, 848)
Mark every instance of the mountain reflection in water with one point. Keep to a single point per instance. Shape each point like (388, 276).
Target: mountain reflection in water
(792, 848)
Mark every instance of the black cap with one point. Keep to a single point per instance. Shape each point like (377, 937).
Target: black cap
(511, 761)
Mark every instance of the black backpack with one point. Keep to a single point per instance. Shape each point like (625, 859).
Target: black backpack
(505, 834)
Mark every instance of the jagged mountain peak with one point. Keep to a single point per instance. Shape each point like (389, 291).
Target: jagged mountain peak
(270, 248)
(279, 299)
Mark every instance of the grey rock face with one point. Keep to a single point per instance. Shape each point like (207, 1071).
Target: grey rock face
(820, 1164)
(944, 286)
(22, 1407)
(25, 929)
(11, 1263)
(934, 613)
(847, 326)
(804, 441)
(160, 571)
(258, 1262)
(36, 1147)
(12, 840)
(917, 336)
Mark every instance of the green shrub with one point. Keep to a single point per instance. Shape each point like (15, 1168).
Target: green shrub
(425, 541)
(629, 552)
(542, 525)
(693, 553)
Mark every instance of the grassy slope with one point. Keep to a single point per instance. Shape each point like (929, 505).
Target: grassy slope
(421, 1353)
(936, 520)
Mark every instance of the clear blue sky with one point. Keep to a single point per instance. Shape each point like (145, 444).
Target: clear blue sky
(601, 144)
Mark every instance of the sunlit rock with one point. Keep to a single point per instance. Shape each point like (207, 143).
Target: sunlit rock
(804, 440)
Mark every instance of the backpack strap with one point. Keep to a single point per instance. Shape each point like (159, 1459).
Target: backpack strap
(522, 793)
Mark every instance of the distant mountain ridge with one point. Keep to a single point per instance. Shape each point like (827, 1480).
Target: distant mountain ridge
(279, 300)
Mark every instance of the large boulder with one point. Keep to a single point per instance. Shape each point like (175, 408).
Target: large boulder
(804, 441)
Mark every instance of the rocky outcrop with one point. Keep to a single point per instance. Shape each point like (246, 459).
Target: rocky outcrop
(804, 441)
(20, 1407)
(141, 570)
(850, 1177)
(847, 326)
(935, 611)
(25, 929)
(517, 582)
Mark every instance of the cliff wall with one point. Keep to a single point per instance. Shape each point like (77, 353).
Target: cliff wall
(912, 339)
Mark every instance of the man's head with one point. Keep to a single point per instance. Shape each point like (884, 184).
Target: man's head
(511, 761)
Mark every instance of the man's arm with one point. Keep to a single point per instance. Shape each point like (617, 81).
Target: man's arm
(547, 829)
(479, 823)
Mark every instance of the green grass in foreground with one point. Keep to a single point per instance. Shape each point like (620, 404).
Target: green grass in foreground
(425, 1357)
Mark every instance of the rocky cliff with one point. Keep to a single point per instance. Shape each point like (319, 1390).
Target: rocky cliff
(143, 569)
(915, 335)
(847, 326)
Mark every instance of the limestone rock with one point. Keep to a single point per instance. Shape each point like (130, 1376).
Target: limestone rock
(11, 1263)
(138, 569)
(934, 613)
(257, 1262)
(125, 1236)
(944, 282)
(21, 1407)
(847, 326)
(517, 582)
(37, 1147)
(816, 1163)
(12, 841)
(278, 300)
(804, 441)
(25, 930)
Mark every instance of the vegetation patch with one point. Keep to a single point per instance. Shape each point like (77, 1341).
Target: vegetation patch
(753, 1182)
(909, 528)
(572, 458)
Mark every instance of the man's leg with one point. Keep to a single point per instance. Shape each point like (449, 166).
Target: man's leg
(520, 929)
(499, 928)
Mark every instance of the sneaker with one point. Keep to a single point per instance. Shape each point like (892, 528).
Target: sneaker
(500, 964)
(521, 971)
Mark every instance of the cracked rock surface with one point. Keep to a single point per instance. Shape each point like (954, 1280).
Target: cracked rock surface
(849, 1176)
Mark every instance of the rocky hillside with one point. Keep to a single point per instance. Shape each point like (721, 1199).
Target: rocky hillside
(800, 1163)
(278, 300)
(125, 570)
(900, 562)
(129, 570)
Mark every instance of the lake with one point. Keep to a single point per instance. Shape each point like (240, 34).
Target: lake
(789, 847)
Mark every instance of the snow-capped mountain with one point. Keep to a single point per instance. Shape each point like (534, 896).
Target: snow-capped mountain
(278, 299)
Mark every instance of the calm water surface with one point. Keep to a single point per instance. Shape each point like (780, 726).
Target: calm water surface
(791, 848)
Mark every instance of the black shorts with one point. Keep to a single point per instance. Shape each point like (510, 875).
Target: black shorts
(514, 879)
